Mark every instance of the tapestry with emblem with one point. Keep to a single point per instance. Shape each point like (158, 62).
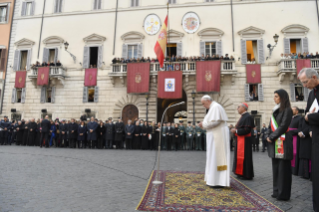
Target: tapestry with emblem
(169, 84)
(90, 77)
(253, 74)
(208, 76)
(20, 79)
(43, 76)
(138, 77)
(300, 64)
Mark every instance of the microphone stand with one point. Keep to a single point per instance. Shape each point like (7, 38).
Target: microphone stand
(156, 181)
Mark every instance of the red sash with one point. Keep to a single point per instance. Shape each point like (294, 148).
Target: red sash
(241, 153)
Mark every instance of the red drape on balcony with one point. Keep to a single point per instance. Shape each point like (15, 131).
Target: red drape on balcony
(43, 76)
(90, 77)
(138, 77)
(208, 76)
(169, 84)
(20, 79)
(300, 64)
(253, 73)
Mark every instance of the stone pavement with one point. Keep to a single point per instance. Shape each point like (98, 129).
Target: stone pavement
(69, 180)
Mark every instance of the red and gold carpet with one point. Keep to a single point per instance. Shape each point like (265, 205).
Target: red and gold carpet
(187, 191)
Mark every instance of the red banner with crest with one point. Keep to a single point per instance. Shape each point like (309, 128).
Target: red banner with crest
(169, 85)
(138, 77)
(20, 79)
(43, 76)
(253, 73)
(90, 77)
(300, 64)
(208, 76)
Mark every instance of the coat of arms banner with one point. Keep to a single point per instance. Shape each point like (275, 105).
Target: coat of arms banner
(43, 76)
(20, 79)
(138, 77)
(90, 77)
(253, 73)
(300, 64)
(169, 84)
(208, 76)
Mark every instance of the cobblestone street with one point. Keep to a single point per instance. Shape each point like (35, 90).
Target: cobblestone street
(69, 180)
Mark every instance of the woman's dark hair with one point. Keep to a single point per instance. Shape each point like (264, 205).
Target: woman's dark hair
(284, 99)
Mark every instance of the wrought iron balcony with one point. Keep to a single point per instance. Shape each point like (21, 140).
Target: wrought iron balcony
(56, 73)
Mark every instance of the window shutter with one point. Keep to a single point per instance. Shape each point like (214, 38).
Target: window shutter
(45, 55)
(247, 99)
(53, 95)
(292, 92)
(306, 93)
(23, 10)
(3, 59)
(219, 50)
(8, 13)
(260, 92)
(60, 5)
(56, 6)
(16, 64)
(86, 57)
(136, 3)
(32, 8)
(23, 95)
(260, 47)
(56, 55)
(179, 49)
(99, 6)
(243, 51)
(286, 45)
(132, 3)
(100, 57)
(43, 92)
(202, 48)
(14, 94)
(124, 51)
(29, 59)
(85, 94)
(304, 42)
(95, 4)
(140, 50)
(96, 94)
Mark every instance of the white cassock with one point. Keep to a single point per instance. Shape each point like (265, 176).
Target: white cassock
(215, 123)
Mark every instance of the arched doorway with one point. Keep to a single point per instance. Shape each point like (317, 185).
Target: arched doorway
(130, 112)
(162, 104)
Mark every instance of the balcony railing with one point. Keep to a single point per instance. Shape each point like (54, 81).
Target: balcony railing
(289, 65)
(188, 66)
(55, 71)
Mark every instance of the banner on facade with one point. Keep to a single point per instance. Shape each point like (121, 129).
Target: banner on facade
(253, 73)
(169, 85)
(90, 77)
(208, 76)
(20, 79)
(300, 64)
(43, 76)
(138, 77)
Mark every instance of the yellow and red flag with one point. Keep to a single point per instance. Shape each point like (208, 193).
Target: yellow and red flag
(160, 46)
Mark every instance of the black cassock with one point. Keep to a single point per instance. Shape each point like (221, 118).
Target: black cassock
(313, 121)
(137, 137)
(32, 133)
(20, 134)
(25, 134)
(144, 133)
(293, 129)
(304, 150)
(243, 147)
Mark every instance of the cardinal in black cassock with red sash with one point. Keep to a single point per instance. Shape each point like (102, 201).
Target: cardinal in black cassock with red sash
(304, 149)
(243, 156)
(310, 79)
(293, 129)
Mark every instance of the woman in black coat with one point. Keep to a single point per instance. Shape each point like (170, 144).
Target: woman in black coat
(175, 144)
(100, 135)
(281, 152)
(81, 134)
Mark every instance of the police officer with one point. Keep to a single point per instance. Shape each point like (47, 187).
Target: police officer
(199, 133)
(189, 136)
(4, 125)
(181, 136)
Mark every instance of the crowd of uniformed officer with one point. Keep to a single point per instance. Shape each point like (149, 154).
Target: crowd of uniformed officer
(136, 134)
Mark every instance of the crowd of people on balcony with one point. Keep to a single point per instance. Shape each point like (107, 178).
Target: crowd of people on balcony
(305, 55)
(172, 59)
(44, 64)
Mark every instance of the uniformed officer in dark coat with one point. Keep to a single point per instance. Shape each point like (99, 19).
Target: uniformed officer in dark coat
(91, 136)
(119, 131)
(45, 125)
(109, 134)
(4, 125)
(73, 128)
(63, 133)
(32, 132)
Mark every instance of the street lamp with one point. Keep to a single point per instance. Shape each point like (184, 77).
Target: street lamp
(193, 96)
(66, 46)
(271, 48)
(147, 96)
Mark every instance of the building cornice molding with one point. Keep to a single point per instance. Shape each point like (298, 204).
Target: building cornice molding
(210, 33)
(53, 41)
(24, 43)
(295, 30)
(94, 39)
(251, 32)
(133, 36)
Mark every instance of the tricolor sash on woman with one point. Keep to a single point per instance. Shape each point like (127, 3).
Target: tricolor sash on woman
(279, 143)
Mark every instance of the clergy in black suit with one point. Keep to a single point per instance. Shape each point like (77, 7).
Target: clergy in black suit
(45, 129)
(32, 132)
(137, 136)
(170, 136)
(304, 149)
(310, 79)
(129, 132)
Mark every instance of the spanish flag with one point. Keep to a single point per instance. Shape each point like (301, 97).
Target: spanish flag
(160, 46)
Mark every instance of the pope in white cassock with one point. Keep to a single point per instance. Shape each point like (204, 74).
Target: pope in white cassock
(217, 171)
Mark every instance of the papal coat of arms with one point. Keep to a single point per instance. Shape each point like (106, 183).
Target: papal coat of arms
(190, 23)
(253, 74)
(177, 67)
(42, 76)
(90, 77)
(169, 85)
(20, 79)
(208, 76)
(138, 78)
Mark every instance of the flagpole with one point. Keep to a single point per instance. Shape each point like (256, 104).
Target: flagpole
(169, 49)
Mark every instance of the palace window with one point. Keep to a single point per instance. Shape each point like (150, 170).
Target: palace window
(254, 92)
(93, 57)
(58, 6)
(295, 45)
(252, 51)
(298, 93)
(18, 95)
(47, 94)
(171, 49)
(97, 4)
(132, 51)
(27, 8)
(3, 14)
(210, 49)
(172, 1)
(94, 52)
(23, 60)
(209, 0)
(134, 3)
(91, 94)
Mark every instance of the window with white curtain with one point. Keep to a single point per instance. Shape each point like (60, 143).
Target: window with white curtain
(28, 8)
(210, 48)
(3, 14)
(132, 52)
(134, 3)
(172, 1)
